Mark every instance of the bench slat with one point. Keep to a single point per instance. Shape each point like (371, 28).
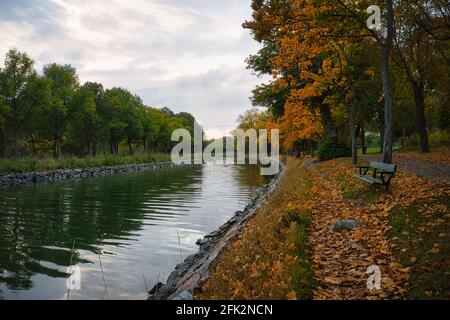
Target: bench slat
(391, 168)
(369, 179)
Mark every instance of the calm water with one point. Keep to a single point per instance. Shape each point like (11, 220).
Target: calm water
(136, 227)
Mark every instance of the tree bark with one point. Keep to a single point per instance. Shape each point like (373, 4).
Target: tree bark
(57, 147)
(353, 133)
(381, 120)
(33, 144)
(2, 145)
(363, 140)
(94, 148)
(387, 86)
(418, 89)
(327, 120)
(130, 147)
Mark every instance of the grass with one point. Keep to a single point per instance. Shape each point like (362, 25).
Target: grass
(39, 165)
(303, 276)
(422, 243)
(353, 191)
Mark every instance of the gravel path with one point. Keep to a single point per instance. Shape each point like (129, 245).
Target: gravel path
(423, 168)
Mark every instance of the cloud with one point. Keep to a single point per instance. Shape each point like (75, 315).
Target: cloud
(187, 55)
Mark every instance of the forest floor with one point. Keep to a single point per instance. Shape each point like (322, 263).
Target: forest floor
(289, 250)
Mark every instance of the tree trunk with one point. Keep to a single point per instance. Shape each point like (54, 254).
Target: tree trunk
(327, 120)
(130, 147)
(381, 121)
(353, 133)
(57, 147)
(363, 140)
(418, 89)
(15, 143)
(387, 86)
(113, 147)
(33, 145)
(2, 145)
(94, 148)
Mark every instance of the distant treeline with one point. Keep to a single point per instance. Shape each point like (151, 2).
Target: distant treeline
(52, 113)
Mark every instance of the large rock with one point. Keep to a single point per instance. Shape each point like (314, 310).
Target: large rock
(341, 225)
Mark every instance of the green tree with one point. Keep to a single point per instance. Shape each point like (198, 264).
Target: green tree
(15, 79)
(85, 122)
(64, 82)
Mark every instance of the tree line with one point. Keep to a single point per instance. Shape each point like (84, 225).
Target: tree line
(334, 77)
(52, 113)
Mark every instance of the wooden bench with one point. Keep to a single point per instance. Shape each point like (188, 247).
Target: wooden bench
(381, 175)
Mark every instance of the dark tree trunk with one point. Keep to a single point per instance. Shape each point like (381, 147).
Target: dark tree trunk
(363, 140)
(113, 146)
(130, 146)
(387, 86)
(2, 145)
(353, 130)
(94, 148)
(381, 121)
(15, 143)
(33, 144)
(327, 120)
(418, 89)
(57, 147)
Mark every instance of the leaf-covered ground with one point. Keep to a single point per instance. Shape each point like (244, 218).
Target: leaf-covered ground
(289, 250)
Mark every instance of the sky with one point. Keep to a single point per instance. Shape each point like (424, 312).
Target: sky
(188, 55)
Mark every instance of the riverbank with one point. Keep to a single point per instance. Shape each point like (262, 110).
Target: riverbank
(320, 231)
(23, 165)
(58, 175)
(189, 275)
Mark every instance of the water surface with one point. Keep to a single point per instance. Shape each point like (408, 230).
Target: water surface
(129, 231)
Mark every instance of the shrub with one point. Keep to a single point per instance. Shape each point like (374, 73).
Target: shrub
(331, 148)
(439, 138)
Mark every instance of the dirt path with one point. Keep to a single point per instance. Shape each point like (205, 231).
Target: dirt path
(415, 165)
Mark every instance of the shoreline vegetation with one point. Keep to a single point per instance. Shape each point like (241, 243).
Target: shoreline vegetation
(28, 165)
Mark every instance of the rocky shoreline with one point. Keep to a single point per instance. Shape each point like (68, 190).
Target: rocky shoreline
(190, 274)
(19, 178)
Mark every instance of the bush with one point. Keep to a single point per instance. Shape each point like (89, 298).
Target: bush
(412, 141)
(331, 148)
(439, 138)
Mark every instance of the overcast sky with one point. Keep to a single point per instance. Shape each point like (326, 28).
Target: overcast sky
(187, 55)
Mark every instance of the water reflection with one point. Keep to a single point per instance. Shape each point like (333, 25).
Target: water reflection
(139, 226)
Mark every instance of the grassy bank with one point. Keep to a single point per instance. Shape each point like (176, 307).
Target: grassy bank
(39, 165)
(271, 258)
(420, 233)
